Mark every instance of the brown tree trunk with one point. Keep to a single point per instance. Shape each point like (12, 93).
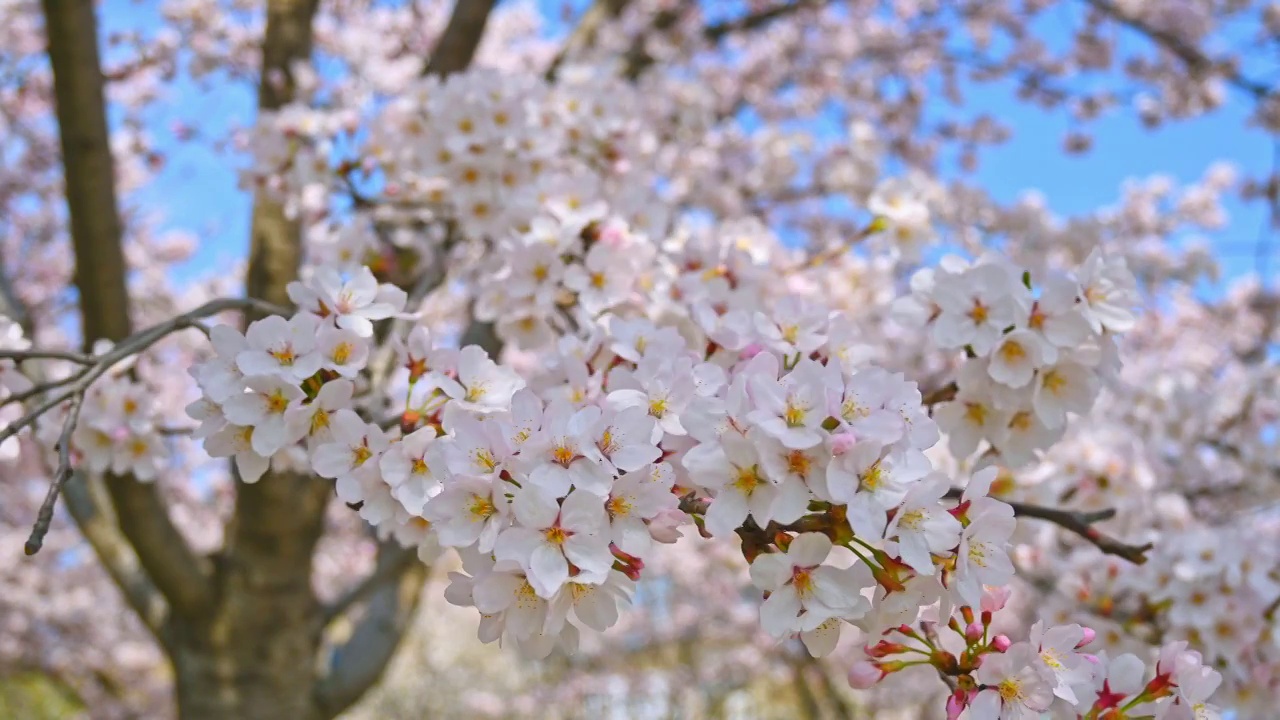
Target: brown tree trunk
(254, 657)
(243, 628)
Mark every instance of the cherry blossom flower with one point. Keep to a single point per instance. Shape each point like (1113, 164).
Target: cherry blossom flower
(276, 346)
(552, 535)
(803, 592)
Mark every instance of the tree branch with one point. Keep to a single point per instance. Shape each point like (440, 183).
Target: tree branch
(584, 34)
(458, 43)
(359, 662)
(384, 573)
(1191, 56)
(85, 500)
(638, 59)
(1081, 523)
(79, 384)
(89, 176)
(44, 517)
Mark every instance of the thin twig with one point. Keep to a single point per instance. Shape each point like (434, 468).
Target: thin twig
(1081, 523)
(584, 34)
(44, 517)
(381, 574)
(20, 355)
(37, 389)
(132, 345)
(1191, 56)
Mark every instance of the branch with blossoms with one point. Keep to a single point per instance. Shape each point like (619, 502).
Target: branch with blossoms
(73, 388)
(1081, 523)
(992, 677)
(657, 382)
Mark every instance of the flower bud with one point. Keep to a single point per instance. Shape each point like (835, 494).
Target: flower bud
(1089, 635)
(665, 526)
(995, 598)
(1001, 643)
(885, 648)
(864, 674)
(973, 632)
(842, 443)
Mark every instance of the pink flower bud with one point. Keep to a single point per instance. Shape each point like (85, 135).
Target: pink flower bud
(1089, 635)
(864, 674)
(750, 351)
(995, 598)
(665, 526)
(955, 704)
(1001, 643)
(973, 632)
(842, 443)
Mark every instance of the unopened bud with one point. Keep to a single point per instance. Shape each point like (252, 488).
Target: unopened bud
(1089, 635)
(842, 443)
(995, 598)
(1001, 643)
(973, 632)
(864, 674)
(884, 648)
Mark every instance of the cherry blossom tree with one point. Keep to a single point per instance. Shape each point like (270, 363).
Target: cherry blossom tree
(612, 326)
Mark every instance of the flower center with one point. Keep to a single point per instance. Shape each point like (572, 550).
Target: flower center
(747, 480)
(802, 580)
(618, 507)
(283, 355)
(360, 454)
(277, 403)
(873, 478)
(794, 414)
(484, 458)
(607, 443)
(1012, 351)
(979, 313)
(480, 508)
(975, 413)
(798, 462)
(476, 392)
(850, 410)
(563, 453)
(790, 333)
(556, 535)
(1021, 421)
(597, 280)
(418, 466)
(911, 519)
(341, 353)
(1009, 689)
(658, 407)
(1054, 382)
(319, 420)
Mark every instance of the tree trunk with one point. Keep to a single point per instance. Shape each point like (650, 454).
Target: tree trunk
(254, 656)
(243, 628)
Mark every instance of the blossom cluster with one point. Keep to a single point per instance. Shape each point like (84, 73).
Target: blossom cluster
(1035, 353)
(1053, 670)
(554, 488)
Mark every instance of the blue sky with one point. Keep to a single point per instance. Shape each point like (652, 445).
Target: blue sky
(197, 189)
